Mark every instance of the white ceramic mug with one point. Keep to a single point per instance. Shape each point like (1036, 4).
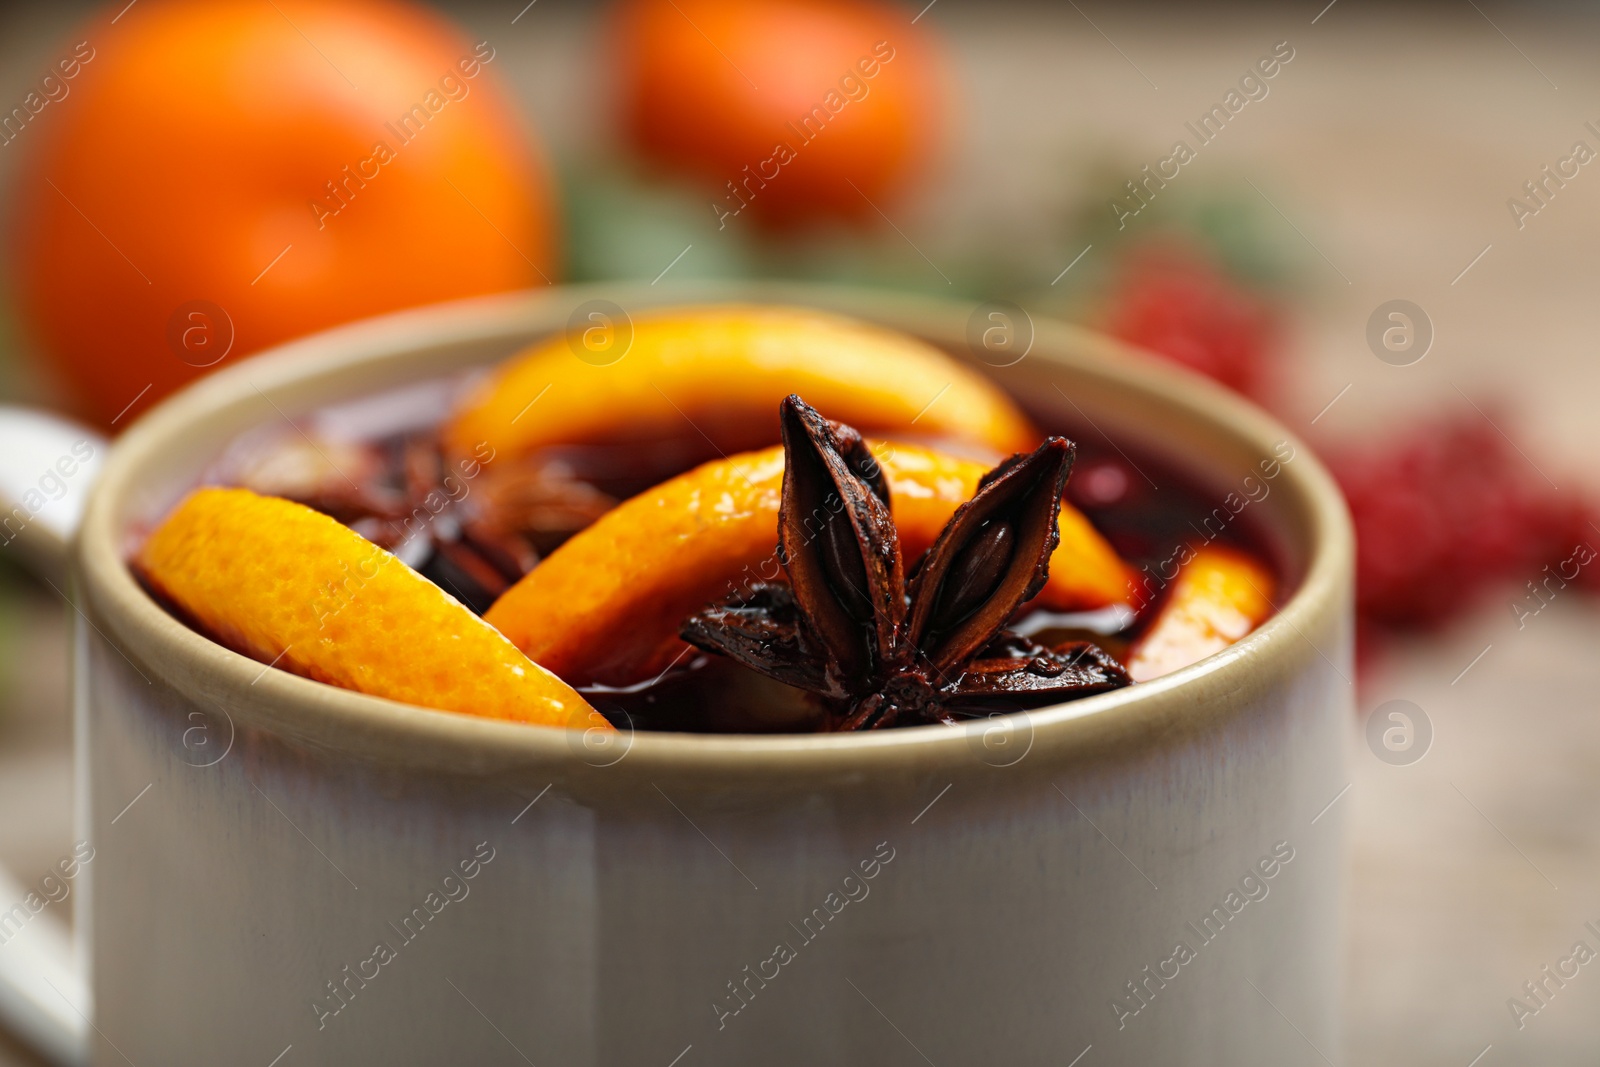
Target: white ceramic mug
(288, 873)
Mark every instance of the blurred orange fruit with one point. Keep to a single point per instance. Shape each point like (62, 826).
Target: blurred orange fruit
(1219, 596)
(780, 104)
(289, 586)
(719, 373)
(222, 176)
(606, 606)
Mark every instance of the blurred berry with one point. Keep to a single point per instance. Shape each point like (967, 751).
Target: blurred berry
(1447, 510)
(1177, 303)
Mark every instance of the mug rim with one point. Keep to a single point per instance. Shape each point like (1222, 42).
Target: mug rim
(369, 727)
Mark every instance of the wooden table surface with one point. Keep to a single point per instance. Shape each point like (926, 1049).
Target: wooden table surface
(1388, 148)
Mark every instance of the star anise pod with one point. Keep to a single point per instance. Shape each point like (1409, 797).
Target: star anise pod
(881, 649)
(474, 526)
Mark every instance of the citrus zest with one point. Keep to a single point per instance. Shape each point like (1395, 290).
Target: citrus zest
(720, 372)
(289, 586)
(1219, 596)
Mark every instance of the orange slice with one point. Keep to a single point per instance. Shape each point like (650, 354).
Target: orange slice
(289, 586)
(719, 373)
(1219, 596)
(605, 607)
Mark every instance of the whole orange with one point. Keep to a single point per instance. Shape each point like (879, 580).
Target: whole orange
(789, 110)
(213, 178)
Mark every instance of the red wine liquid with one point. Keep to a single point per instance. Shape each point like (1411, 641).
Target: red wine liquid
(1150, 511)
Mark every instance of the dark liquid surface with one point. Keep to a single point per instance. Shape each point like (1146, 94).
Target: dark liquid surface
(1148, 509)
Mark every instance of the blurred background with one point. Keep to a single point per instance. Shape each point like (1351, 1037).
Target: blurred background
(1380, 225)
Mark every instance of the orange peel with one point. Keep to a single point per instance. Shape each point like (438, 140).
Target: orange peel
(605, 607)
(286, 585)
(719, 372)
(1219, 596)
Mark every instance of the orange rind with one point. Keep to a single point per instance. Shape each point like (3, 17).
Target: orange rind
(1219, 596)
(718, 374)
(605, 607)
(288, 586)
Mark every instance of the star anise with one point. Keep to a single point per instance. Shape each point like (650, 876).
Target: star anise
(881, 649)
(474, 525)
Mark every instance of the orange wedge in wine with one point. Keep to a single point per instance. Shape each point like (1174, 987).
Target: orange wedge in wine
(288, 586)
(605, 607)
(1219, 596)
(718, 373)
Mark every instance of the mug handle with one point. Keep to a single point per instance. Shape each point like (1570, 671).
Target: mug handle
(44, 483)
